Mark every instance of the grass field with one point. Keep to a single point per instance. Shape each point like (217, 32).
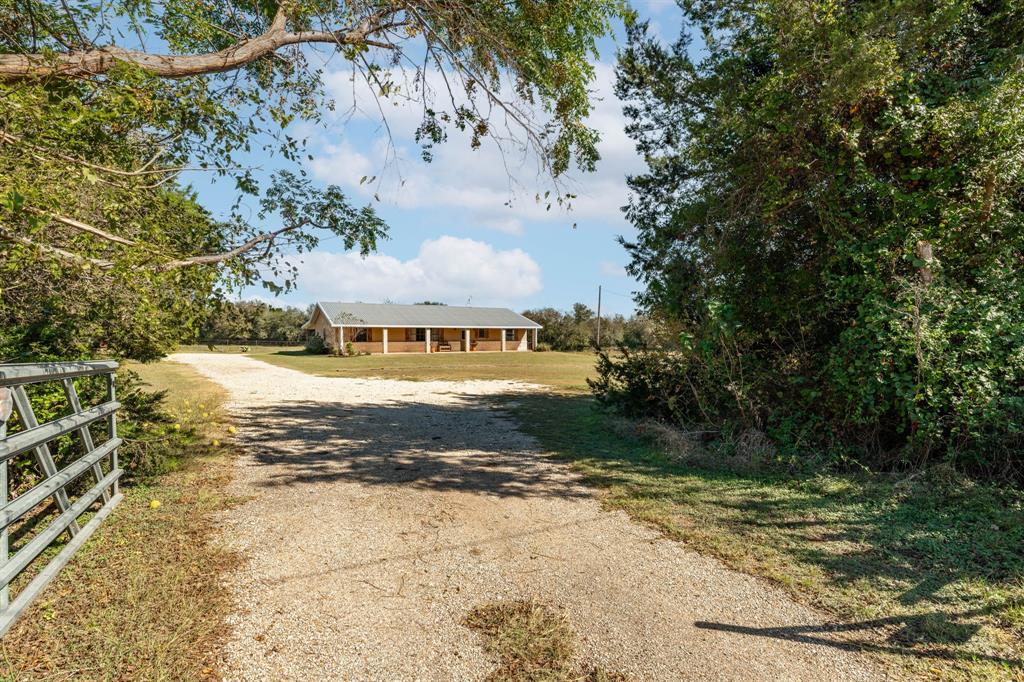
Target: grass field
(567, 371)
(143, 599)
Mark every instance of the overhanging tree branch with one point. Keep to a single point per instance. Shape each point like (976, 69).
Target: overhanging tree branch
(92, 62)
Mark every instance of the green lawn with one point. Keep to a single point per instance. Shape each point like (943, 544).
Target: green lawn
(567, 371)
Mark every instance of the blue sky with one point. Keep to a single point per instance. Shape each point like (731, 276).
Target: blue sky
(453, 235)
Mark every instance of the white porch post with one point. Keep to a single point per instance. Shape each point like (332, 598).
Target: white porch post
(502, 340)
(341, 338)
(385, 341)
(426, 348)
(465, 340)
(535, 339)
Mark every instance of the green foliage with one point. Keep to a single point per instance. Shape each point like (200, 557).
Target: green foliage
(577, 330)
(832, 224)
(254, 320)
(152, 443)
(316, 344)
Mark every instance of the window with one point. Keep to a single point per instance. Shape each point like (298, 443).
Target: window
(510, 334)
(421, 334)
(437, 335)
(481, 333)
(362, 335)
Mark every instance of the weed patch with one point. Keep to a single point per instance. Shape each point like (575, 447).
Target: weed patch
(531, 642)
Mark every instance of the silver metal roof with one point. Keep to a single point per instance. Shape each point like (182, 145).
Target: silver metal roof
(395, 315)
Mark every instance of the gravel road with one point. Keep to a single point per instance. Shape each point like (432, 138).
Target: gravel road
(381, 511)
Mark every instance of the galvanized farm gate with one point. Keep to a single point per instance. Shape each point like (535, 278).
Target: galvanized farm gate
(34, 438)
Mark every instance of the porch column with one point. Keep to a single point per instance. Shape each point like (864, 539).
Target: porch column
(534, 339)
(340, 348)
(427, 344)
(385, 341)
(502, 340)
(465, 340)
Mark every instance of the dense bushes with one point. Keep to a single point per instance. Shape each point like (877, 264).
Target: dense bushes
(832, 228)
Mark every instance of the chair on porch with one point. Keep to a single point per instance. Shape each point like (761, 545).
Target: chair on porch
(444, 346)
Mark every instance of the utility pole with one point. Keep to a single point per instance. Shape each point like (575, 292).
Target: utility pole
(598, 315)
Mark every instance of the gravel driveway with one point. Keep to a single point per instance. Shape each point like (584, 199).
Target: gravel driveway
(381, 511)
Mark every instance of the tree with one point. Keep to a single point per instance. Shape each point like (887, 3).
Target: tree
(832, 218)
(254, 320)
(95, 130)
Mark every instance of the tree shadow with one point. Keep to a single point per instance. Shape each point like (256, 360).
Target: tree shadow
(464, 444)
(933, 635)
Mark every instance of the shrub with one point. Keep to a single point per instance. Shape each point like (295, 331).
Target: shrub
(835, 229)
(316, 344)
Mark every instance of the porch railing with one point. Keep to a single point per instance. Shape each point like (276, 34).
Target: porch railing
(34, 438)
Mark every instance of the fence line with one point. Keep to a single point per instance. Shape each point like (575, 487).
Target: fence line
(35, 438)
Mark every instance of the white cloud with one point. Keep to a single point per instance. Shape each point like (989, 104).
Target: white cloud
(512, 226)
(446, 269)
(483, 181)
(610, 269)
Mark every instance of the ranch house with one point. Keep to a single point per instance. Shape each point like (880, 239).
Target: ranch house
(389, 328)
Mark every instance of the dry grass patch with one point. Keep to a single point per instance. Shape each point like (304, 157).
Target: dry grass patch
(143, 599)
(531, 642)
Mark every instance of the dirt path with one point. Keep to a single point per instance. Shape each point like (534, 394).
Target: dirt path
(382, 511)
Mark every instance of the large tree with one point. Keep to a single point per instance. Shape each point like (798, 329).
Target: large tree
(833, 222)
(104, 105)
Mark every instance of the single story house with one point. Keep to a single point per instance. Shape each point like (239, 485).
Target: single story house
(390, 328)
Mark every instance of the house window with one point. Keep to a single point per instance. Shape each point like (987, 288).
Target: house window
(437, 335)
(481, 333)
(510, 334)
(421, 334)
(362, 335)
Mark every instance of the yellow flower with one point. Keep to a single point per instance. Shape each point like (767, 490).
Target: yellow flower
(154, 504)
(215, 443)
(177, 427)
(232, 429)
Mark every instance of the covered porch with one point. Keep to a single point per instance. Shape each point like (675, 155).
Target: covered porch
(385, 340)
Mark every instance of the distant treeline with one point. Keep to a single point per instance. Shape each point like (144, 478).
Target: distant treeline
(577, 329)
(254, 321)
(573, 330)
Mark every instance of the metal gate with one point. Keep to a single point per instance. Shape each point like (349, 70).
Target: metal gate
(34, 438)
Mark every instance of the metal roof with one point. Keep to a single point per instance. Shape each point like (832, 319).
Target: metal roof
(395, 315)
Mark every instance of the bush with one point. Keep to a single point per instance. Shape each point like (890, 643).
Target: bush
(836, 232)
(151, 443)
(316, 344)
(542, 347)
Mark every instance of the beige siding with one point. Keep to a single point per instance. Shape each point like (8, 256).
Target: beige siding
(322, 327)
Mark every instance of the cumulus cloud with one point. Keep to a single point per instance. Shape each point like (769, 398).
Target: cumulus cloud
(447, 269)
(498, 185)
